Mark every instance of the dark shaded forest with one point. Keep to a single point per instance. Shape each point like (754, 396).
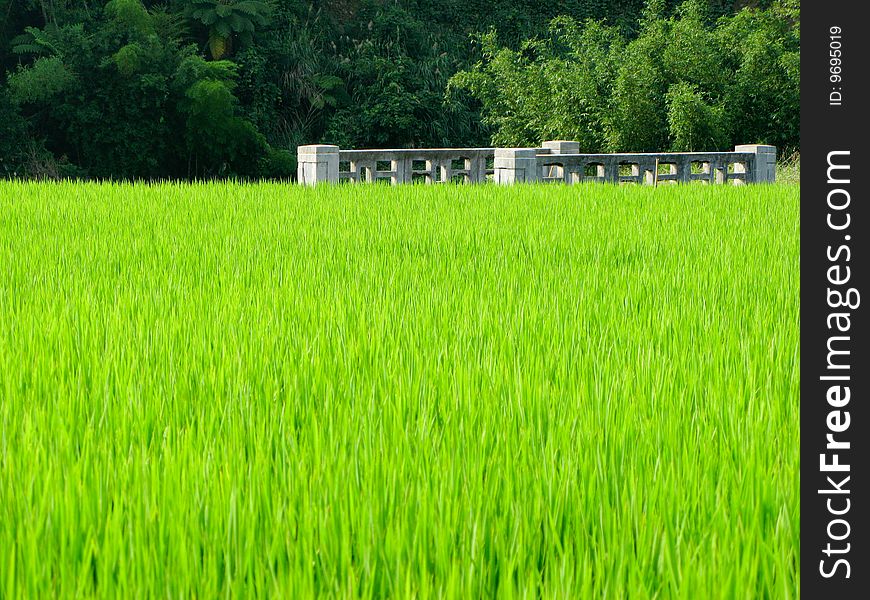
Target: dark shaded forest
(228, 88)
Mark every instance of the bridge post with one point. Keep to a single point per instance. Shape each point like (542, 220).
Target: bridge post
(317, 163)
(764, 169)
(514, 165)
(561, 147)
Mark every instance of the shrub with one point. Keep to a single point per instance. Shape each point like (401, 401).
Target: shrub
(278, 164)
(693, 124)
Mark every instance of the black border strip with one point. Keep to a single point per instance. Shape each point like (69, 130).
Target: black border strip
(835, 367)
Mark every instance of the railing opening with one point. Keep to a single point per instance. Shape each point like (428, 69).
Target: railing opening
(629, 172)
(737, 172)
(665, 174)
(553, 172)
(593, 170)
(460, 164)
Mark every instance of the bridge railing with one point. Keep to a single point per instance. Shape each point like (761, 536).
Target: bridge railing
(554, 162)
(433, 165)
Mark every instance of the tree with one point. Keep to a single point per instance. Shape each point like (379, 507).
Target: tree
(693, 124)
(551, 88)
(219, 142)
(13, 138)
(686, 81)
(224, 18)
(108, 89)
(125, 97)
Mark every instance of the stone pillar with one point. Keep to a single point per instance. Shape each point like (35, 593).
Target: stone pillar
(317, 163)
(478, 168)
(562, 147)
(514, 165)
(720, 171)
(611, 169)
(683, 168)
(764, 170)
(404, 170)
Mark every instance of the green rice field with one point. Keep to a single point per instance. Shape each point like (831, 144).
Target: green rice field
(235, 390)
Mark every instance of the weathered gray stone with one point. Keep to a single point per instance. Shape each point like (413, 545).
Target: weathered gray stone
(317, 164)
(764, 168)
(554, 162)
(516, 165)
(428, 165)
(561, 147)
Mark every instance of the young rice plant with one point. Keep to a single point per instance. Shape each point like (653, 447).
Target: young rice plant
(421, 391)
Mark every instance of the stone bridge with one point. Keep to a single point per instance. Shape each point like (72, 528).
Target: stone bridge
(554, 161)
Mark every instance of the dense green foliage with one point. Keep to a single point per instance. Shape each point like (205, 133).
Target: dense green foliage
(685, 82)
(125, 88)
(542, 391)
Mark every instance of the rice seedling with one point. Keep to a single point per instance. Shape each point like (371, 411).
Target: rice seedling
(420, 391)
